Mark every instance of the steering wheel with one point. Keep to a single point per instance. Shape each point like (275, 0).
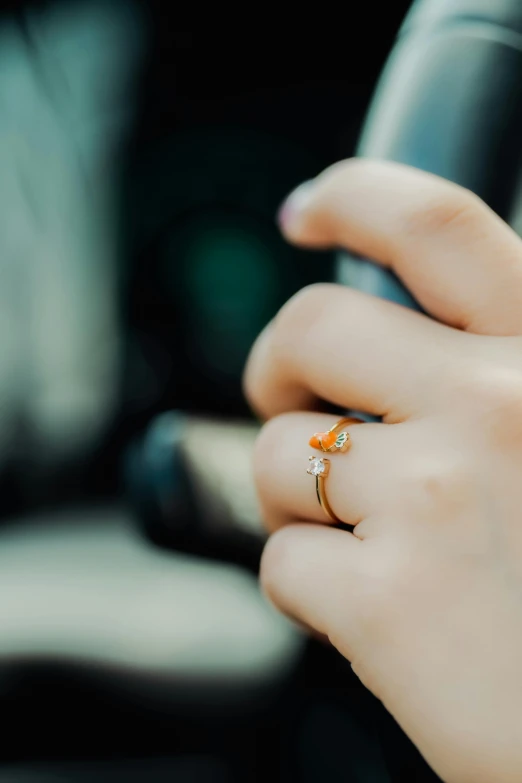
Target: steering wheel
(450, 102)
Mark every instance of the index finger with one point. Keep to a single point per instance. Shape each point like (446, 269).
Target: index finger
(462, 263)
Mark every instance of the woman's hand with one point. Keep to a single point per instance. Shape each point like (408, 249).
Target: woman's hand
(425, 598)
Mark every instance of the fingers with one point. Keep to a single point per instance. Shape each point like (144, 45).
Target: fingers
(357, 351)
(458, 258)
(309, 573)
(357, 481)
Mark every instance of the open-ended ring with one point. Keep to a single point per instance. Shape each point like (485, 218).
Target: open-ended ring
(335, 439)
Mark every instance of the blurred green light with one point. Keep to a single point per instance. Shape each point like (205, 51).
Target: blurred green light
(232, 282)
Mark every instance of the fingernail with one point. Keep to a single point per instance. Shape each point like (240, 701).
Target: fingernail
(294, 204)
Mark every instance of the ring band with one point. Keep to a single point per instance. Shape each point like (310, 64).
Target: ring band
(329, 441)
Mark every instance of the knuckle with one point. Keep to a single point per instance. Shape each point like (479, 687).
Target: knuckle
(250, 389)
(342, 169)
(254, 374)
(491, 392)
(450, 208)
(496, 400)
(443, 488)
(444, 482)
(348, 176)
(274, 352)
(265, 451)
(265, 446)
(277, 562)
(299, 318)
(268, 454)
(302, 306)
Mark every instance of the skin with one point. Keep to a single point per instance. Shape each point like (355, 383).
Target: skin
(425, 598)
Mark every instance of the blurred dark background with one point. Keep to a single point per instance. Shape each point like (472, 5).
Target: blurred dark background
(182, 129)
(144, 150)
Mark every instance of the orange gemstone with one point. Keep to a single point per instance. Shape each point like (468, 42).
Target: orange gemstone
(328, 439)
(322, 440)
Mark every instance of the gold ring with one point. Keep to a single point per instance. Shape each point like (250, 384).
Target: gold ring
(335, 439)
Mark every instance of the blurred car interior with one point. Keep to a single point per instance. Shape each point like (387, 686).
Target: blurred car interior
(144, 153)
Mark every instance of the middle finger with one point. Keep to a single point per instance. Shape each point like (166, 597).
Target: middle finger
(354, 350)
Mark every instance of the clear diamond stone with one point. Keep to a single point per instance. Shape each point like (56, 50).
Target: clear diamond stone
(316, 466)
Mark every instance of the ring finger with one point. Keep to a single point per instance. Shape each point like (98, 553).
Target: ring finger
(359, 483)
